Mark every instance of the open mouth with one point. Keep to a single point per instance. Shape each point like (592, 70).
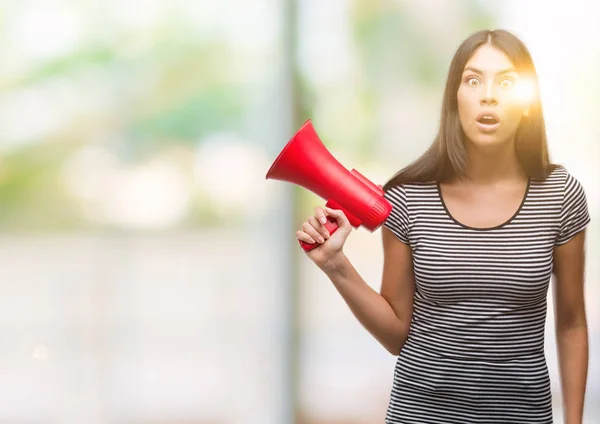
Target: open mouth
(488, 122)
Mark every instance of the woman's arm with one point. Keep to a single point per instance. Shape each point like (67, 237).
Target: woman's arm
(386, 315)
(571, 325)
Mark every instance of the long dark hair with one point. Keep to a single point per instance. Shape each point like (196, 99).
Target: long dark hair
(446, 157)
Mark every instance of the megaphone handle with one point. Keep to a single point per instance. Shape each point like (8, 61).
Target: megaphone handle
(331, 226)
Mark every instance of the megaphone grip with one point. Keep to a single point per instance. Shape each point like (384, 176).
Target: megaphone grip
(331, 226)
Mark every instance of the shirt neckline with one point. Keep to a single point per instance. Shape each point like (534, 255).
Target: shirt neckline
(495, 227)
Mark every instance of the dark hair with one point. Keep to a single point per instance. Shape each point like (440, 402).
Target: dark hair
(446, 157)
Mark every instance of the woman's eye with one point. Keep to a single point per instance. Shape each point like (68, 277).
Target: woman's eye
(473, 81)
(506, 83)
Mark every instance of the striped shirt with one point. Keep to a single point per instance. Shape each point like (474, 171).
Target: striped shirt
(475, 350)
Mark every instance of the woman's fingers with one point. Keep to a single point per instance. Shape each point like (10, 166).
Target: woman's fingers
(313, 229)
(302, 236)
(313, 220)
(309, 229)
(339, 216)
(321, 215)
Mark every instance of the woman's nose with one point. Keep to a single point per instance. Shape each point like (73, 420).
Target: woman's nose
(488, 96)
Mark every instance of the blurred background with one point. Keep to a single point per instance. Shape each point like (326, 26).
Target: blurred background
(148, 271)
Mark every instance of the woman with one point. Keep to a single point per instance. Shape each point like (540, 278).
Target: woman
(479, 225)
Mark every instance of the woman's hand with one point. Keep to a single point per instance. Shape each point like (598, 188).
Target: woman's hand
(313, 231)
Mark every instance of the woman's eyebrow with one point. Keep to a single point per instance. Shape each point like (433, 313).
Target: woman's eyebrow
(480, 72)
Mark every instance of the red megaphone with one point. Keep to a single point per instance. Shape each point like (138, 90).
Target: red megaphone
(306, 162)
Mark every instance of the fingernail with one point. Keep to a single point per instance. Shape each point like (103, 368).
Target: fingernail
(323, 220)
(321, 239)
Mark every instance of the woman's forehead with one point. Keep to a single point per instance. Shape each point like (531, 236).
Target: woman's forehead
(489, 59)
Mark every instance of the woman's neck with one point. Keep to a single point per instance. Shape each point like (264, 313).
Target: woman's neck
(489, 166)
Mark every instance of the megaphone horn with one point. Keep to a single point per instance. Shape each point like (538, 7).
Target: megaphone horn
(306, 162)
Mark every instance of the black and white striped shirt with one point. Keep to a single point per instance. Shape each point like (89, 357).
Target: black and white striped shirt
(475, 351)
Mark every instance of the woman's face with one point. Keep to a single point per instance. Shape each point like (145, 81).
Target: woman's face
(489, 106)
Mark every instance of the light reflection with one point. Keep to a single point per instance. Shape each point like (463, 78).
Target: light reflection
(40, 352)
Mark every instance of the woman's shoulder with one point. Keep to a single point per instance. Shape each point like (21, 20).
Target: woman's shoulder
(412, 192)
(574, 213)
(414, 186)
(560, 187)
(557, 172)
(559, 177)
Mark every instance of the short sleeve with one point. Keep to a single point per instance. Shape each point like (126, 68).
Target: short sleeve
(574, 215)
(398, 220)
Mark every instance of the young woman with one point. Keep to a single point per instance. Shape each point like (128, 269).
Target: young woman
(480, 223)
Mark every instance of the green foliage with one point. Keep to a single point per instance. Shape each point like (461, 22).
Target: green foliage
(102, 56)
(213, 109)
(393, 45)
(171, 86)
(31, 193)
